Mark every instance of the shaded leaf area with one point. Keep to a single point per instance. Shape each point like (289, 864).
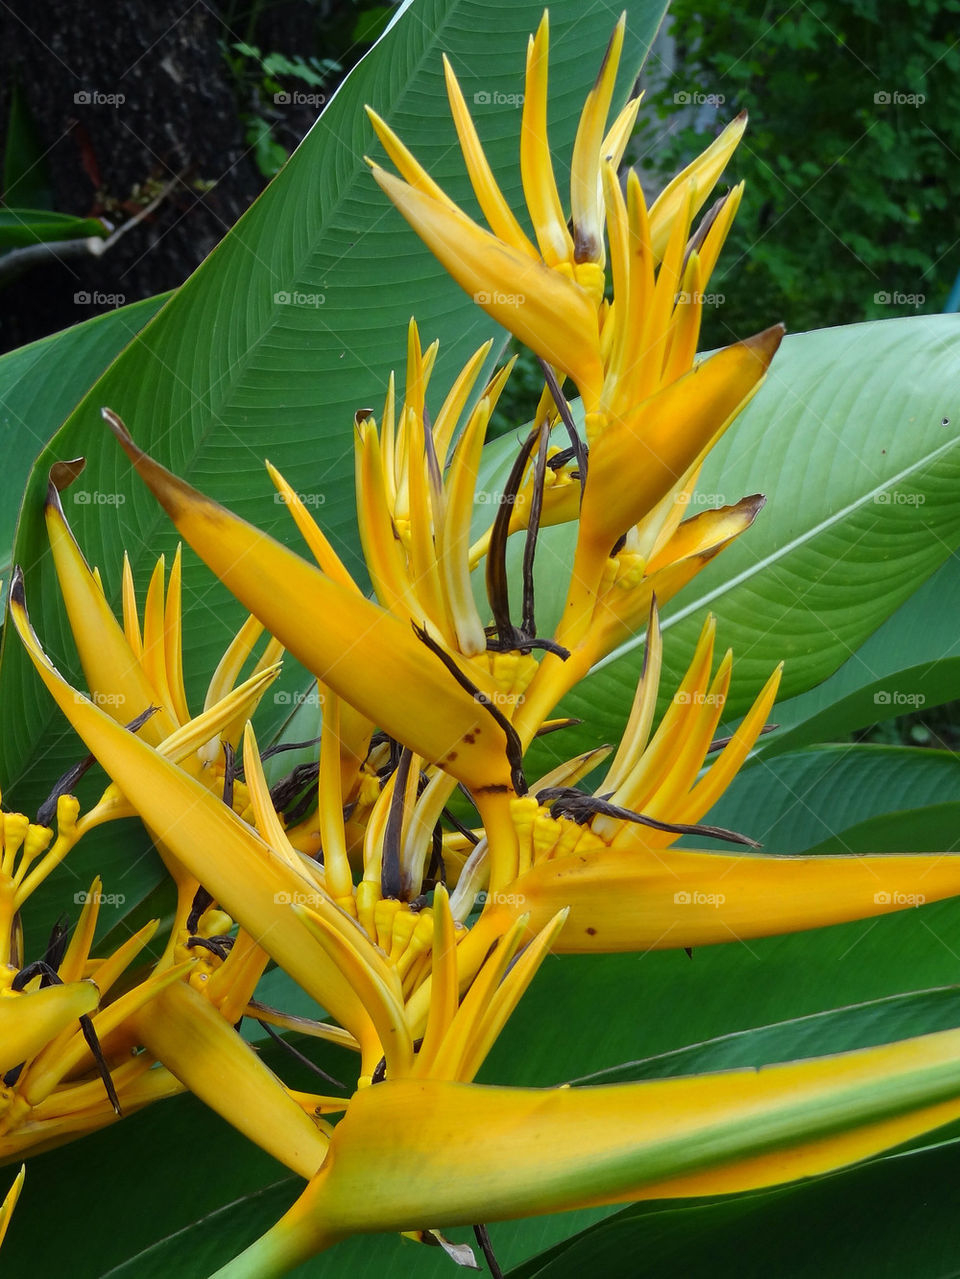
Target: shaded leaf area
(911, 663)
(41, 383)
(895, 1216)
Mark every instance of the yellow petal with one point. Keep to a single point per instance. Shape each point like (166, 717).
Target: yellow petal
(10, 1201)
(586, 204)
(498, 213)
(536, 164)
(501, 1153)
(631, 898)
(369, 657)
(548, 313)
(703, 173)
(197, 1045)
(110, 666)
(30, 1020)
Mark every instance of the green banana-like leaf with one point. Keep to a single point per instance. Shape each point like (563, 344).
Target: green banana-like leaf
(41, 383)
(911, 663)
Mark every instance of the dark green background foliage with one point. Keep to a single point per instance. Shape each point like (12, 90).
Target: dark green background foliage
(847, 197)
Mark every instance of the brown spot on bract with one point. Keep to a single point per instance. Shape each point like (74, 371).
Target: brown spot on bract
(469, 738)
(451, 757)
(592, 932)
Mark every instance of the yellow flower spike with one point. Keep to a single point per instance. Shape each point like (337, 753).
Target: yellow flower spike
(648, 444)
(81, 938)
(249, 880)
(489, 196)
(337, 871)
(60, 1059)
(196, 1044)
(173, 640)
(547, 312)
(131, 616)
(369, 657)
(111, 668)
(30, 1019)
(444, 990)
(312, 534)
(712, 233)
(501, 1153)
(536, 164)
(10, 1201)
(453, 542)
(373, 980)
(702, 174)
(586, 204)
(630, 897)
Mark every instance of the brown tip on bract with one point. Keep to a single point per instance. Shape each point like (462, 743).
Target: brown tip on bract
(62, 474)
(17, 595)
(764, 345)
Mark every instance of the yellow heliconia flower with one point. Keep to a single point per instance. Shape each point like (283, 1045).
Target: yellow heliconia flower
(388, 669)
(551, 295)
(74, 1073)
(651, 414)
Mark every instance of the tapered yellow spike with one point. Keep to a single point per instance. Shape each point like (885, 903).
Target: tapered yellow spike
(111, 668)
(637, 732)
(453, 539)
(548, 313)
(312, 534)
(498, 213)
(453, 406)
(703, 173)
(173, 641)
(131, 618)
(536, 164)
(586, 204)
(444, 985)
(154, 654)
(10, 1201)
(366, 655)
(30, 1020)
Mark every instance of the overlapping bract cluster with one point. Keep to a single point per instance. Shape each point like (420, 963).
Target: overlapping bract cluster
(414, 917)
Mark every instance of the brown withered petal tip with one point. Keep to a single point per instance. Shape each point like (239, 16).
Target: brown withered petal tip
(62, 474)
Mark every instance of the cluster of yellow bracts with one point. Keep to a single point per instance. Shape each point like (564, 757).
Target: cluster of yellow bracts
(416, 932)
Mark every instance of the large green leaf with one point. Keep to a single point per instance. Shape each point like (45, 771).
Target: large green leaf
(291, 324)
(855, 440)
(911, 662)
(41, 383)
(892, 1217)
(795, 801)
